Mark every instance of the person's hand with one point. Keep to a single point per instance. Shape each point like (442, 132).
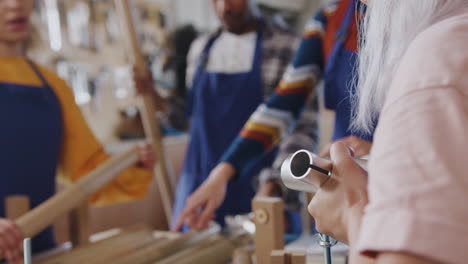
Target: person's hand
(143, 83)
(338, 205)
(202, 204)
(11, 240)
(359, 146)
(147, 157)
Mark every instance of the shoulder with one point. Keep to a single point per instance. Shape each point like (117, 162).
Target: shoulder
(50, 76)
(197, 46)
(437, 57)
(59, 86)
(325, 11)
(317, 22)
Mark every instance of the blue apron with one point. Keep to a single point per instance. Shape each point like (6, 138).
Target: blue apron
(338, 77)
(220, 105)
(30, 140)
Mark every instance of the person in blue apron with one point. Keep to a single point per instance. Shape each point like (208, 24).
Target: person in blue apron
(328, 48)
(43, 130)
(340, 48)
(221, 103)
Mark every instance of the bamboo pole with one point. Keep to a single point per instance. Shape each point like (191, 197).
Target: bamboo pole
(147, 109)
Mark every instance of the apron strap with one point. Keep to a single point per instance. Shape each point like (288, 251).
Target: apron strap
(206, 51)
(38, 73)
(48, 91)
(204, 58)
(341, 35)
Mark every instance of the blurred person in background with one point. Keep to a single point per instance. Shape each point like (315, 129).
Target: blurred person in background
(327, 51)
(230, 72)
(43, 130)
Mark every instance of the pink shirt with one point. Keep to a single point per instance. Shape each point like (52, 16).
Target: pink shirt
(418, 172)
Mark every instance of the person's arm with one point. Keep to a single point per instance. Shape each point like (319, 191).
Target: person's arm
(417, 167)
(277, 115)
(81, 153)
(304, 136)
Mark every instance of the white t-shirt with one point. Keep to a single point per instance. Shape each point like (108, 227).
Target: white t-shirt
(230, 54)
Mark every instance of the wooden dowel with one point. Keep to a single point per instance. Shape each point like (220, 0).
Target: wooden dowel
(188, 252)
(79, 225)
(217, 252)
(153, 253)
(112, 244)
(298, 258)
(147, 110)
(112, 254)
(278, 257)
(16, 206)
(43, 215)
(242, 256)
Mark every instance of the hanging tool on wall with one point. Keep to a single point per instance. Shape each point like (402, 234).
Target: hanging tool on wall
(147, 109)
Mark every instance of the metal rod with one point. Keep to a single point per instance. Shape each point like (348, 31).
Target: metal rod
(27, 251)
(327, 251)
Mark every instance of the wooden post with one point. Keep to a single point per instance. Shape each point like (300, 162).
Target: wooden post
(283, 257)
(16, 206)
(279, 257)
(79, 225)
(269, 223)
(147, 110)
(298, 257)
(241, 256)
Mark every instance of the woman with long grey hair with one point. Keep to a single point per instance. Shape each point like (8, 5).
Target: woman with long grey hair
(410, 207)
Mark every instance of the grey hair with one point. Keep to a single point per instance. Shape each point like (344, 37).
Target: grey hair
(387, 30)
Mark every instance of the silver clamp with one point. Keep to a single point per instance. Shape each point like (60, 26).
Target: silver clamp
(326, 241)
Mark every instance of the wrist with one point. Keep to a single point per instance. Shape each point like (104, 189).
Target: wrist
(223, 172)
(354, 225)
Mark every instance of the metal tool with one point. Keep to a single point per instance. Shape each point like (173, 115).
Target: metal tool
(27, 251)
(326, 243)
(306, 172)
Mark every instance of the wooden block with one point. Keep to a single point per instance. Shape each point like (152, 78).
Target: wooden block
(269, 222)
(278, 257)
(79, 225)
(241, 256)
(298, 257)
(16, 206)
